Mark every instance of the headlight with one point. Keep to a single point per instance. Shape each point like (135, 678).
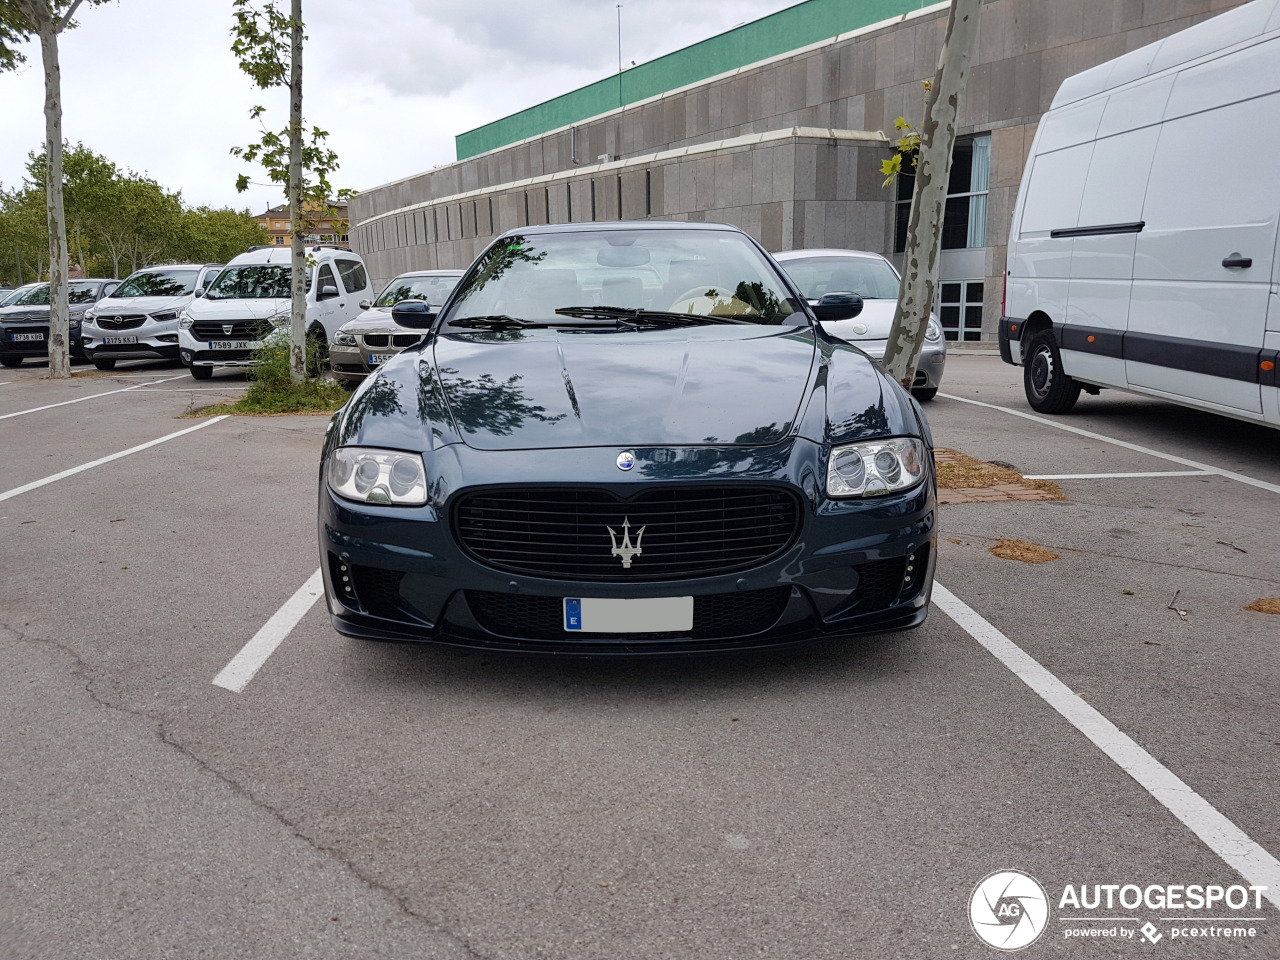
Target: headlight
(88, 314)
(876, 468)
(933, 332)
(280, 319)
(368, 475)
(185, 322)
(73, 321)
(165, 317)
(341, 339)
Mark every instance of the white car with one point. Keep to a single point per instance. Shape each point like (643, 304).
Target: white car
(873, 278)
(140, 318)
(251, 298)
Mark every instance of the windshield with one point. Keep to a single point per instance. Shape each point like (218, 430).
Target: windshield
(434, 290)
(78, 292)
(13, 296)
(869, 277)
(263, 281)
(690, 272)
(159, 283)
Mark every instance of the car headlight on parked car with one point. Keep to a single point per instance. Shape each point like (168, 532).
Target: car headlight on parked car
(165, 317)
(369, 475)
(933, 332)
(89, 314)
(280, 319)
(184, 321)
(875, 468)
(341, 339)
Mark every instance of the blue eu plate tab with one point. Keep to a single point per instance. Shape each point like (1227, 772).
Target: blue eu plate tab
(572, 614)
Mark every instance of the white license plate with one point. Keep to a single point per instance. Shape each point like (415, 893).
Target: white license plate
(632, 615)
(377, 358)
(233, 344)
(119, 339)
(36, 337)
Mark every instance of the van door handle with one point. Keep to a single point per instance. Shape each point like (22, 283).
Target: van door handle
(1235, 260)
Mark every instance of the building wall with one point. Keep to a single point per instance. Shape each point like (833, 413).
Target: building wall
(860, 81)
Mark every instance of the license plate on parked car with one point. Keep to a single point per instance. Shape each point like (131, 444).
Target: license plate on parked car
(233, 344)
(29, 336)
(630, 615)
(119, 339)
(377, 358)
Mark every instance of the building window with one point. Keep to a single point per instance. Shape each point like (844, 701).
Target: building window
(960, 309)
(964, 222)
(280, 241)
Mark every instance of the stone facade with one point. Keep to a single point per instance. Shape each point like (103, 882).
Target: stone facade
(788, 149)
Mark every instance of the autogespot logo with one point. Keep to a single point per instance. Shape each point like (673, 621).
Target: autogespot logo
(1009, 910)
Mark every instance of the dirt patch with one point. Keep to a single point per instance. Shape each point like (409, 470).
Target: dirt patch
(1022, 550)
(968, 480)
(1265, 605)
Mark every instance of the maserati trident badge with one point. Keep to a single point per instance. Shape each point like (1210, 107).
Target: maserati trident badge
(626, 551)
(626, 460)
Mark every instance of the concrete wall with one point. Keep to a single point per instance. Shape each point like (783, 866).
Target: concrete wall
(861, 81)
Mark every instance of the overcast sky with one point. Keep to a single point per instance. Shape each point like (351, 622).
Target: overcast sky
(393, 81)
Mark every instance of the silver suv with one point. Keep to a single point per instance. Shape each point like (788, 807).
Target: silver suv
(140, 319)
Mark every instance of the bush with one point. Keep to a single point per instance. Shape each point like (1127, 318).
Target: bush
(273, 390)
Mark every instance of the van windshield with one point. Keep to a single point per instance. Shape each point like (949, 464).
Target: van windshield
(262, 281)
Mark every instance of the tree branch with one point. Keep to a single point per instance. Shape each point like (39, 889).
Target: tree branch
(63, 23)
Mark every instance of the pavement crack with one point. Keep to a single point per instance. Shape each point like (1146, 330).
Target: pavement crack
(1122, 556)
(82, 671)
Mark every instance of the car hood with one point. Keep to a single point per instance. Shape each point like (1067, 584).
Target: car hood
(115, 306)
(17, 314)
(206, 309)
(375, 320)
(510, 390)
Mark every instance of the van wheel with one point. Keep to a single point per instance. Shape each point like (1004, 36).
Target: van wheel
(202, 373)
(104, 363)
(1048, 388)
(924, 394)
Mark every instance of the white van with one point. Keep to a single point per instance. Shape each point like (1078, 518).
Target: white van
(250, 298)
(1142, 253)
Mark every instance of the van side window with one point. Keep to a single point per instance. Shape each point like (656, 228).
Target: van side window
(354, 279)
(324, 278)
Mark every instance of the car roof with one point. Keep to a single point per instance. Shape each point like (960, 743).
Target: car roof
(174, 266)
(284, 255)
(827, 252)
(430, 273)
(592, 226)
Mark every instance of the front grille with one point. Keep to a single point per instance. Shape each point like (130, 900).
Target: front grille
(677, 531)
(379, 590)
(121, 323)
(715, 616)
(403, 340)
(375, 339)
(240, 329)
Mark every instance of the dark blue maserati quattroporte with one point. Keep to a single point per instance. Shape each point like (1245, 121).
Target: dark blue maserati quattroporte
(627, 438)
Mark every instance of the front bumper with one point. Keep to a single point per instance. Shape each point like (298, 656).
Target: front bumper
(408, 579)
(1010, 337)
(929, 368)
(347, 363)
(196, 353)
(158, 345)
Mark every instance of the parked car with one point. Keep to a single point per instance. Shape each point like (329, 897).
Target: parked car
(372, 338)
(140, 318)
(24, 324)
(693, 463)
(11, 296)
(874, 279)
(250, 298)
(1134, 260)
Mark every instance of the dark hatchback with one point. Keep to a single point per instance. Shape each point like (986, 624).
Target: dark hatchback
(24, 324)
(627, 438)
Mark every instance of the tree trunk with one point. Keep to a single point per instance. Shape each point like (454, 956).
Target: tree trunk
(929, 199)
(59, 329)
(298, 313)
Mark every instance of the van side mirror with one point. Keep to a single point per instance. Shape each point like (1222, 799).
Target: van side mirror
(199, 292)
(366, 304)
(327, 290)
(414, 314)
(838, 306)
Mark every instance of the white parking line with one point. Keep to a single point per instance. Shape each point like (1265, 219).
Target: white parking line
(92, 396)
(1207, 468)
(1116, 476)
(1223, 837)
(35, 484)
(236, 675)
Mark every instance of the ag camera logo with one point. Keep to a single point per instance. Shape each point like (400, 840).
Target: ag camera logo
(1009, 910)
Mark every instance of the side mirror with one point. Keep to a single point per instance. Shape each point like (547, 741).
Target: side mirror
(327, 291)
(199, 292)
(838, 306)
(414, 314)
(366, 304)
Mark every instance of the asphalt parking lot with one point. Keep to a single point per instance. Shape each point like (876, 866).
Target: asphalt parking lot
(837, 800)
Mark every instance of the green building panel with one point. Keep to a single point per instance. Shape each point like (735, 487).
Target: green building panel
(778, 33)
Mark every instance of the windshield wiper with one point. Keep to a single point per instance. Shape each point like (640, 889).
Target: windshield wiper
(496, 321)
(635, 316)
